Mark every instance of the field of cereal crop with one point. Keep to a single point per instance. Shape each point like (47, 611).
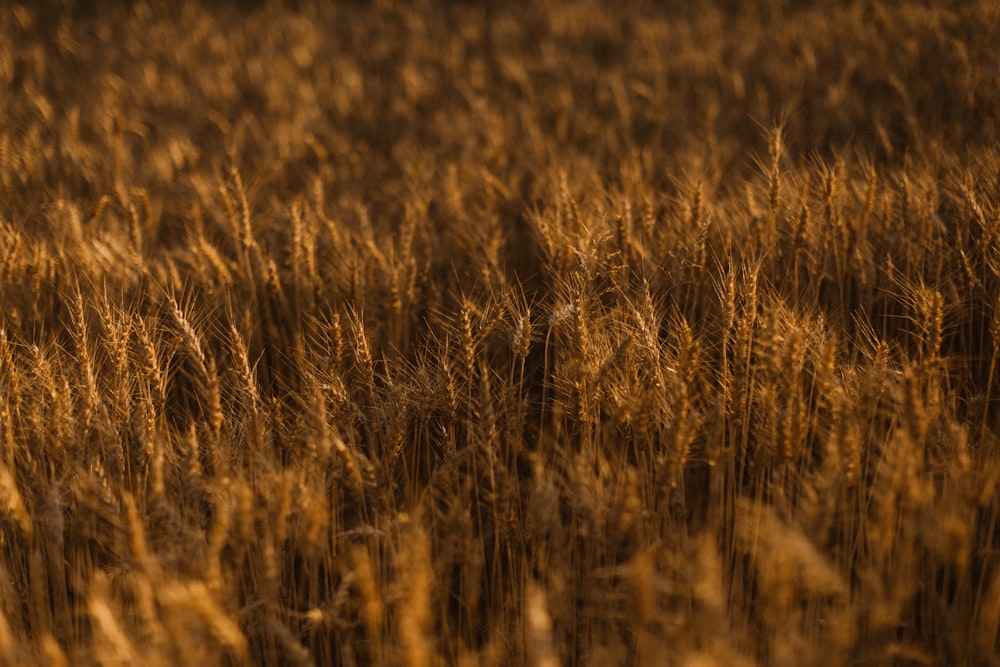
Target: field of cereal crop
(502, 333)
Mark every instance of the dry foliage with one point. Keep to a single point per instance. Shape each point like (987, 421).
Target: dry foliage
(504, 333)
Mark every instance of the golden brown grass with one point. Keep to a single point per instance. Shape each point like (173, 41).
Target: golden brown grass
(515, 333)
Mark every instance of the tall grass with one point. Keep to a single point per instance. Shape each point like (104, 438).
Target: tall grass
(530, 333)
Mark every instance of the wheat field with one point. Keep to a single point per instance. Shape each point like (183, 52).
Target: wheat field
(555, 333)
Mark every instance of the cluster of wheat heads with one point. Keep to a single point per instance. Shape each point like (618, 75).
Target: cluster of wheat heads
(420, 333)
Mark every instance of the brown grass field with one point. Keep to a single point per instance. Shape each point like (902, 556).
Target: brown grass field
(518, 333)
